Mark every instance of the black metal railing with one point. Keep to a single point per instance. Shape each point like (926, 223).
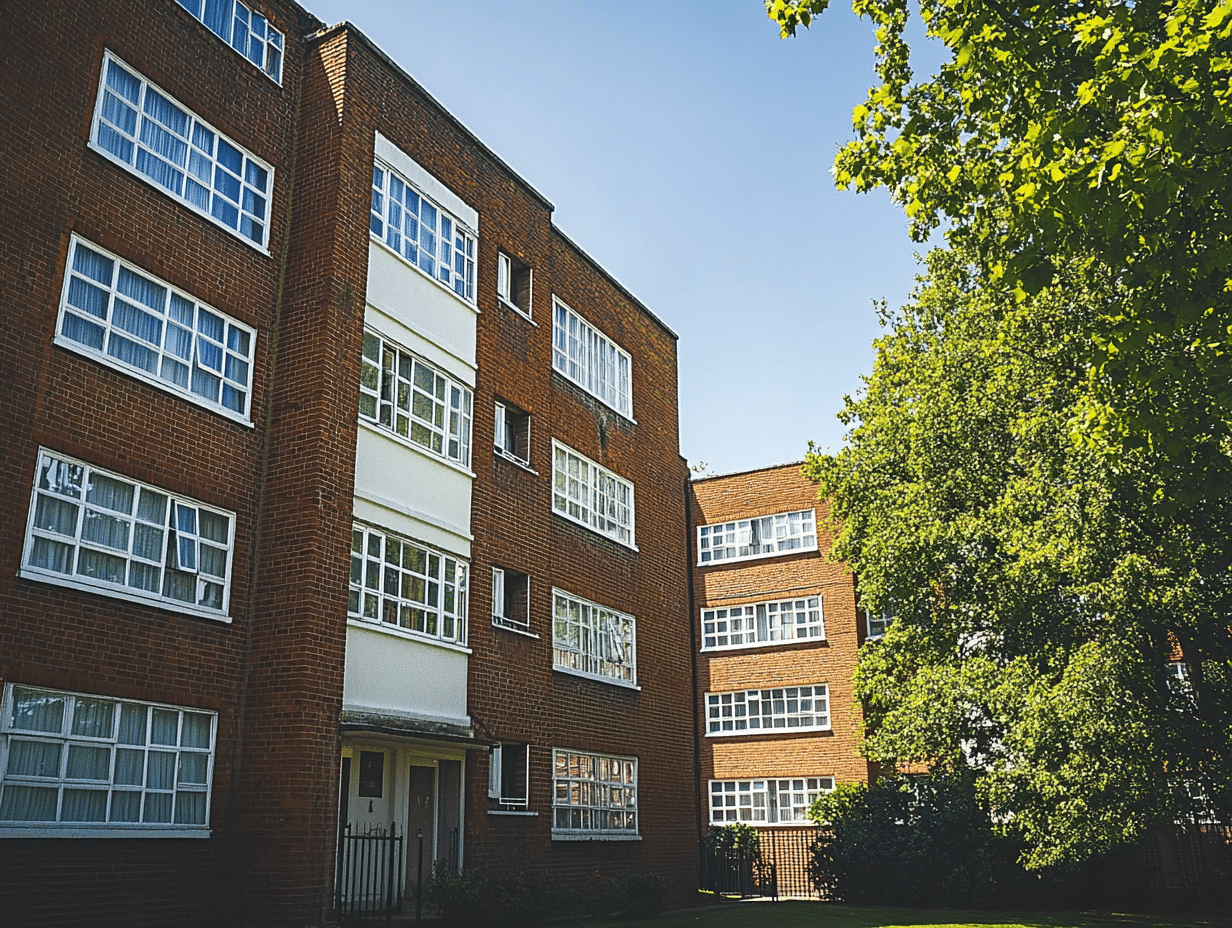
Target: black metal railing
(780, 867)
(369, 878)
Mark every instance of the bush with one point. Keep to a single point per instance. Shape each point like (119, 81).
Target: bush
(505, 898)
(915, 841)
(630, 894)
(740, 838)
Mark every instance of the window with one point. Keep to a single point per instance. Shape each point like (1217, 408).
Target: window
(591, 360)
(400, 584)
(510, 599)
(244, 29)
(93, 766)
(409, 397)
(591, 494)
(764, 536)
(765, 802)
(152, 135)
(762, 623)
(421, 233)
(878, 623)
(130, 320)
(507, 775)
(511, 433)
(94, 529)
(593, 794)
(513, 282)
(592, 640)
(785, 708)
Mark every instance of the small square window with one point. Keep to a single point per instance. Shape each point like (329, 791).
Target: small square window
(507, 775)
(510, 599)
(513, 282)
(511, 433)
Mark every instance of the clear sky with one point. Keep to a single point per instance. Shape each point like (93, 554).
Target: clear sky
(687, 149)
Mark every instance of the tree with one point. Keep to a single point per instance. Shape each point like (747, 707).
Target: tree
(1039, 594)
(1039, 479)
(1092, 130)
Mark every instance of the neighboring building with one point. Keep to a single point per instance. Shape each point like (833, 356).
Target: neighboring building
(777, 630)
(345, 489)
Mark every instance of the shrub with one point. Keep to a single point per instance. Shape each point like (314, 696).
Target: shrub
(740, 838)
(630, 894)
(506, 898)
(915, 841)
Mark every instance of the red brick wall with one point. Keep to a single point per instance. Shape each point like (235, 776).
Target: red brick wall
(274, 673)
(831, 753)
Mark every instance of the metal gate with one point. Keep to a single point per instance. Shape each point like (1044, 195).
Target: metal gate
(369, 879)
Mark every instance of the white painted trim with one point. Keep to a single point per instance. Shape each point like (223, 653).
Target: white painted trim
(410, 169)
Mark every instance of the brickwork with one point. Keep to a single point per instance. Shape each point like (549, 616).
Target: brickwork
(830, 661)
(263, 672)
(274, 673)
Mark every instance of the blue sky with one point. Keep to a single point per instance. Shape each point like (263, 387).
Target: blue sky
(687, 149)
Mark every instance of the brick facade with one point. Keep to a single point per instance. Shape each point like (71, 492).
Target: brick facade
(274, 673)
(831, 753)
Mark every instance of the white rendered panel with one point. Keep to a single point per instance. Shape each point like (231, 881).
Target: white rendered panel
(396, 674)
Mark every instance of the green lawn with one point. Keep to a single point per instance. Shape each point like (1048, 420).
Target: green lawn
(830, 915)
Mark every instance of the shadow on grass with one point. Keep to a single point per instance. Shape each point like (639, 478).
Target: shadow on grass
(833, 915)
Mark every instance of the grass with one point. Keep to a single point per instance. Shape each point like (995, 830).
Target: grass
(832, 915)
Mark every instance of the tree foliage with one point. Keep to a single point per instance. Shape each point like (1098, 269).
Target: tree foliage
(1092, 130)
(1039, 593)
(1039, 477)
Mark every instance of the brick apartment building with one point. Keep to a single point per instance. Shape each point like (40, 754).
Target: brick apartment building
(778, 630)
(344, 488)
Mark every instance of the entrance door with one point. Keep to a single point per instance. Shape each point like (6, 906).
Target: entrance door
(421, 820)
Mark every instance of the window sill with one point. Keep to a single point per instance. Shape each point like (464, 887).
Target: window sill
(598, 678)
(773, 732)
(125, 593)
(628, 417)
(260, 247)
(412, 446)
(416, 268)
(757, 557)
(36, 830)
(517, 309)
(721, 648)
(502, 455)
(632, 546)
(407, 635)
(143, 376)
(591, 836)
(512, 813)
(524, 632)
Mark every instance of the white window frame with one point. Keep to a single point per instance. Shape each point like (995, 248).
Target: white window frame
(449, 261)
(590, 359)
(876, 625)
(376, 594)
(594, 796)
(246, 32)
(98, 741)
(508, 271)
(190, 344)
(507, 422)
(755, 625)
(591, 495)
(510, 793)
(393, 402)
(233, 198)
(501, 578)
(761, 536)
(593, 641)
(773, 710)
(62, 489)
(761, 801)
